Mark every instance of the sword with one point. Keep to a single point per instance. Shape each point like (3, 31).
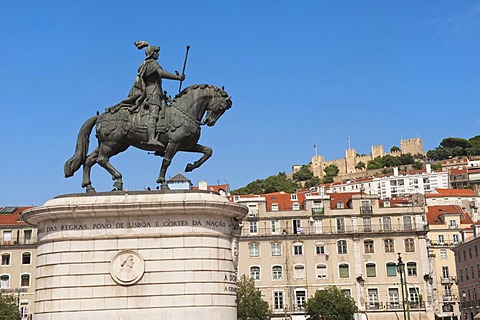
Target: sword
(184, 66)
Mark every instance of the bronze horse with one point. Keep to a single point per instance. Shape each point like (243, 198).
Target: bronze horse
(179, 130)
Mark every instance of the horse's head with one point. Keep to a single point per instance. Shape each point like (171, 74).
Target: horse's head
(219, 103)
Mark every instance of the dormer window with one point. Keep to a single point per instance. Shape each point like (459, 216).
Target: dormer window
(293, 197)
(274, 206)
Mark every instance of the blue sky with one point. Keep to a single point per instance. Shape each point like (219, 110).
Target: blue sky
(300, 73)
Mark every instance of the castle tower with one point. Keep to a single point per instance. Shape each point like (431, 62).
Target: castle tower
(413, 146)
(377, 151)
(318, 164)
(350, 160)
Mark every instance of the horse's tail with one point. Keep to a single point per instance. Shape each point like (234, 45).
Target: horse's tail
(81, 149)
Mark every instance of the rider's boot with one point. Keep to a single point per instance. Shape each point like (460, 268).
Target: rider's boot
(151, 130)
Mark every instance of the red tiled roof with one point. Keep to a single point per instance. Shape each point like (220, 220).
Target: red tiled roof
(10, 219)
(343, 197)
(283, 200)
(439, 192)
(435, 214)
(454, 171)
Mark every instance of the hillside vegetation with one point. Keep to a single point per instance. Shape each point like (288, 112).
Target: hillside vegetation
(448, 148)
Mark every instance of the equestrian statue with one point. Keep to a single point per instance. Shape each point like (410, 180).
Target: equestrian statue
(150, 120)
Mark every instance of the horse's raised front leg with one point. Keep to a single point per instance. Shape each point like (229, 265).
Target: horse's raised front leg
(87, 167)
(104, 154)
(170, 152)
(207, 153)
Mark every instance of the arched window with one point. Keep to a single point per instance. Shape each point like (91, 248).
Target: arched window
(25, 280)
(322, 271)
(5, 259)
(391, 269)
(411, 268)
(371, 269)
(4, 281)
(277, 273)
(344, 270)
(255, 272)
(276, 249)
(26, 258)
(299, 271)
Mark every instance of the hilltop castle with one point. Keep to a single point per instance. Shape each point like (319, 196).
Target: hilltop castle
(349, 164)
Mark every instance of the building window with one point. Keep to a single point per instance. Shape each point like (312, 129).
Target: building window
(254, 249)
(255, 272)
(320, 248)
(441, 239)
(344, 270)
(321, 271)
(253, 227)
(7, 237)
(470, 253)
(274, 206)
(413, 293)
(4, 281)
(26, 258)
(387, 223)
(409, 245)
(412, 268)
(389, 246)
(455, 238)
(298, 249)
(342, 247)
(391, 269)
(443, 254)
(341, 225)
(275, 226)
(371, 270)
(373, 298)
(367, 224)
(278, 300)
(407, 223)
(299, 271)
(277, 273)
(276, 249)
(295, 206)
(452, 224)
(393, 297)
(27, 236)
(297, 226)
(25, 280)
(346, 292)
(5, 259)
(300, 297)
(293, 197)
(339, 205)
(369, 246)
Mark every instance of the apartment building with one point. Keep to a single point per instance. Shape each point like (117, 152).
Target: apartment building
(445, 223)
(396, 184)
(17, 251)
(295, 244)
(467, 258)
(467, 199)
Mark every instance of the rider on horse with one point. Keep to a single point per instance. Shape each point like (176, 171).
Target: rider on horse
(147, 90)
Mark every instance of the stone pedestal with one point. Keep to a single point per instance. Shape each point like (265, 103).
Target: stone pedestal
(136, 255)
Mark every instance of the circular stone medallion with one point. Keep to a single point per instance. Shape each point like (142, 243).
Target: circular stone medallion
(127, 267)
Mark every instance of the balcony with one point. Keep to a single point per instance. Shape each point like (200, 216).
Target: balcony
(447, 280)
(393, 306)
(374, 306)
(330, 230)
(366, 210)
(318, 211)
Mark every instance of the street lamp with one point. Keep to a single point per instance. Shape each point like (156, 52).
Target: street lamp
(401, 271)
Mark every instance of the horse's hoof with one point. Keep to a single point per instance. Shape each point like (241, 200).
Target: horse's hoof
(164, 186)
(189, 167)
(90, 190)
(118, 185)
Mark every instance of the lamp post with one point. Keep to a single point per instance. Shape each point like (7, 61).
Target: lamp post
(403, 284)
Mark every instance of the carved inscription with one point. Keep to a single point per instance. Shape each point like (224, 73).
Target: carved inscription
(168, 223)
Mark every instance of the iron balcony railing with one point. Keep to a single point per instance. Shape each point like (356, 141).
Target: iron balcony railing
(316, 230)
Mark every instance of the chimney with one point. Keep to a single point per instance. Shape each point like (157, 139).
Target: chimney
(428, 168)
(202, 185)
(395, 171)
